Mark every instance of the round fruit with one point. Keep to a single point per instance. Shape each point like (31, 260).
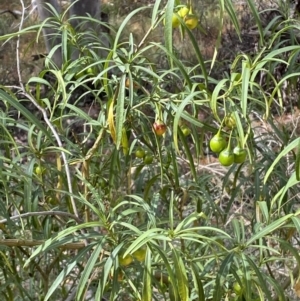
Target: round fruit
(120, 276)
(90, 71)
(159, 128)
(175, 21)
(237, 288)
(183, 11)
(240, 154)
(217, 143)
(125, 261)
(148, 159)
(185, 130)
(140, 153)
(52, 201)
(39, 170)
(230, 122)
(140, 254)
(226, 157)
(127, 84)
(102, 183)
(191, 21)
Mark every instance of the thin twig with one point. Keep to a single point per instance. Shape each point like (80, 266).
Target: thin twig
(29, 214)
(18, 46)
(34, 243)
(59, 143)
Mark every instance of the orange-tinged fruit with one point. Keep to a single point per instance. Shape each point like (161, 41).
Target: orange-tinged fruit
(183, 11)
(120, 276)
(140, 254)
(191, 21)
(127, 84)
(125, 261)
(159, 128)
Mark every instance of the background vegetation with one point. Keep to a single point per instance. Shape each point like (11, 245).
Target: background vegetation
(109, 186)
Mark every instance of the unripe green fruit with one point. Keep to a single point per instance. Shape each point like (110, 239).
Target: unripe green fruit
(226, 157)
(39, 170)
(240, 154)
(237, 288)
(140, 254)
(230, 121)
(90, 71)
(217, 143)
(148, 159)
(185, 130)
(140, 153)
(125, 261)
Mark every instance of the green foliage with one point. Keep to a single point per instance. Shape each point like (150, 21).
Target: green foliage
(78, 203)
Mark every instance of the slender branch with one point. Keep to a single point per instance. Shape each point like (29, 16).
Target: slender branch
(34, 243)
(59, 143)
(28, 214)
(18, 46)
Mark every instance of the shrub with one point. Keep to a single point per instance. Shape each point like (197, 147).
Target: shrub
(83, 214)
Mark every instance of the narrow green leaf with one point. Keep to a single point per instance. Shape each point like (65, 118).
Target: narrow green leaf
(284, 152)
(223, 271)
(123, 25)
(245, 87)
(269, 229)
(172, 277)
(147, 289)
(229, 7)
(255, 14)
(155, 12)
(66, 271)
(261, 278)
(215, 96)
(26, 113)
(197, 282)
(120, 111)
(168, 30)
(88, 269)
(247, 283)
(181, 276)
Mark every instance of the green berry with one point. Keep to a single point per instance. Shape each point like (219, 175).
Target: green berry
(217, 143)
